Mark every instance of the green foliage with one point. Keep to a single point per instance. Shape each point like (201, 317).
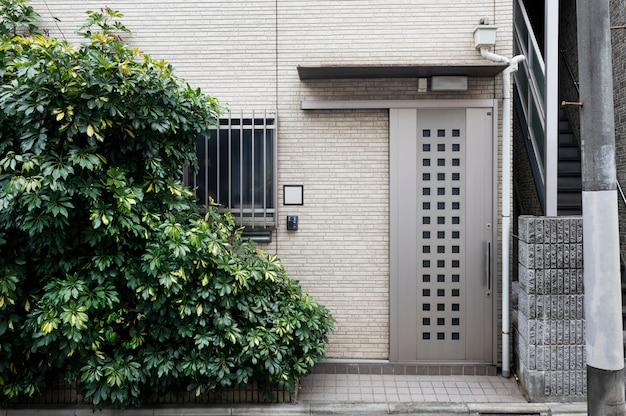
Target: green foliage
(17, 17)
(108, 271)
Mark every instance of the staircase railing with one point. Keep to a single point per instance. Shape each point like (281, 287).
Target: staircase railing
(570, 71)
(621, 192)
(530, 83)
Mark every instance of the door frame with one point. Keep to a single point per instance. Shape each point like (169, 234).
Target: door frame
(398, 156)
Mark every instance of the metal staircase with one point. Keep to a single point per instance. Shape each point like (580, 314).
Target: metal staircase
(531, 96)
(569, 200)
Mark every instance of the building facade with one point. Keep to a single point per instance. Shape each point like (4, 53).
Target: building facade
(384, 143)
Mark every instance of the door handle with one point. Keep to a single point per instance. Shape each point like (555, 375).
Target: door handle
(488, 268)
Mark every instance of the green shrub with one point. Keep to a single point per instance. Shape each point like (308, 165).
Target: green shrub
(108, 270)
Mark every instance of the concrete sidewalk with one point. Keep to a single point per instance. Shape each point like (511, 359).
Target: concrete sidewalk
(365, 395)
(328, 409)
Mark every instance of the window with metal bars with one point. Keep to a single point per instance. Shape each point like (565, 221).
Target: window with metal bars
(237, 168)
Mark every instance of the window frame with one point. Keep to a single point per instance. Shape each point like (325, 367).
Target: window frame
(255, 214)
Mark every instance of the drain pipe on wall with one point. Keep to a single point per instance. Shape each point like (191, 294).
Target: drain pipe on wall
(485, 39)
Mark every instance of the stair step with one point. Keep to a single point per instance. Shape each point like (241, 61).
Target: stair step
(570, 199)
(564, 126)
(570, 191)
(569, 168)
(569, 153)
(567, 139)
(570, 182)
(569, 211)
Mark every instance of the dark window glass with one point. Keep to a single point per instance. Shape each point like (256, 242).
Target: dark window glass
(236, 165)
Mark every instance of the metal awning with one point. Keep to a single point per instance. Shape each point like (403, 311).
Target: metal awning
(312, 72)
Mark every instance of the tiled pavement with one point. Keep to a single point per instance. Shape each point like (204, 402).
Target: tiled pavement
(369, 388)
(343, 394)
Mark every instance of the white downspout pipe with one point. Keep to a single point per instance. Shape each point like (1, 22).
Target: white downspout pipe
(506, 206)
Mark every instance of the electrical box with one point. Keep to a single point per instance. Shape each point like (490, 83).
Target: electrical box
(292, 223)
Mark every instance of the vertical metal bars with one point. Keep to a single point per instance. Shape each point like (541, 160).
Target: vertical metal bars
(238, 168)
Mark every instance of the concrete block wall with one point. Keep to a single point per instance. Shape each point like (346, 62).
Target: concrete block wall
(548, 310)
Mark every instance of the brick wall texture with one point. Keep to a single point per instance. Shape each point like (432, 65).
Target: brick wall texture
(548, 317)
(246, 54)
(618, 43)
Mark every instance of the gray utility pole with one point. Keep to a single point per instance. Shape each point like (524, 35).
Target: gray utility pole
(603, 300)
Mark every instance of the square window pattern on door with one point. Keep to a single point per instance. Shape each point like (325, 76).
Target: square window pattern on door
(442, 184)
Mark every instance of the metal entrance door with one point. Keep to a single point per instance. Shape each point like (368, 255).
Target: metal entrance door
(441, 234)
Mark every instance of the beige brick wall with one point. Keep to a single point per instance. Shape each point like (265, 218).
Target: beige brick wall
(340, 253)
(246, 54)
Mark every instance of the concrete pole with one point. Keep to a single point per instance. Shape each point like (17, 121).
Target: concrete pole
(603, 300)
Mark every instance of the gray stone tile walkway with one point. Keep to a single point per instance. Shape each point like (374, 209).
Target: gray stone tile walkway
(367, 388)
(364, 395)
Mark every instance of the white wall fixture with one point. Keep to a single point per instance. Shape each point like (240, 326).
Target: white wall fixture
(485, 34)
(422, 85)
(293, 195)
(448, 83)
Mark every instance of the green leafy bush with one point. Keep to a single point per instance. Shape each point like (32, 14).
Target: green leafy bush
(109, 272)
